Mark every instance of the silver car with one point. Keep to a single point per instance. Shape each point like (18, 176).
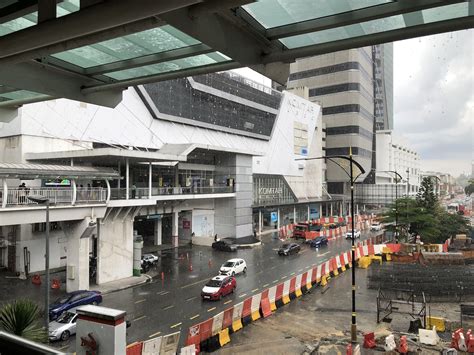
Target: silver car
(63, 327)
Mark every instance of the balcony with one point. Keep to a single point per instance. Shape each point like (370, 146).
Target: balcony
(144, 193)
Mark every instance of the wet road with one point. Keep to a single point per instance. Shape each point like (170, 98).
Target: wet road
(174, 304)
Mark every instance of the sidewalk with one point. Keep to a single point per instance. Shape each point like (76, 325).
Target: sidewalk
(122, 284)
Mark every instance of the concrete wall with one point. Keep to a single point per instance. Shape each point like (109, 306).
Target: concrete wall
(115, 249)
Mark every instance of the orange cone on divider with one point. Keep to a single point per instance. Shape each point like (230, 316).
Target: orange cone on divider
(36, 279)
(190, 267)
(55, 284)
(403, 347)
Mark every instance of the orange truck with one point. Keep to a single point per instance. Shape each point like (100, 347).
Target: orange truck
(307, 231)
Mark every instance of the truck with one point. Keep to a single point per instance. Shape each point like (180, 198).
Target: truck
(307, 231)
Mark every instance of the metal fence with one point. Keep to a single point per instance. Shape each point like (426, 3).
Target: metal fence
(19, 197)
(143, 192)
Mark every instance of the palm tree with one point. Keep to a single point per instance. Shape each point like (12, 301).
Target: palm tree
(21, 318)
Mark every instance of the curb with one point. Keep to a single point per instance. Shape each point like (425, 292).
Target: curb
(147, 280)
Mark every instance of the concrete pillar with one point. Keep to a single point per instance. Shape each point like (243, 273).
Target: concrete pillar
(350, 211)
(127, 177)
(5, 193)
(357, 209)
(176, 176)
(120, 175)
(260, 220)
(174, 229)
(74, 192)
(309, 213)
(115, 249)
(77, 270)
(278, 219)
(331, 210)
(341, 209)
(150, 174)
(158, 234)
(320, 210)
(107, 326)
(72, 162)
(294, 214)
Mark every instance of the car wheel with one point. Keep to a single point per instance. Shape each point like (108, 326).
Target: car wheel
(245, 269)
(65, 335)
(220, 296)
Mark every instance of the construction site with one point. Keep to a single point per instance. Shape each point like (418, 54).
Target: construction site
(410, 298)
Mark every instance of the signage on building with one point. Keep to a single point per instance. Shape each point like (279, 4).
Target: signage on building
(186, 224)
(274, 216)
(271, 190)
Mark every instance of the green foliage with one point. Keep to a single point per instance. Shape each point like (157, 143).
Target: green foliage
(21, 318)
(469, 189)
(433, 224)
(426, 197)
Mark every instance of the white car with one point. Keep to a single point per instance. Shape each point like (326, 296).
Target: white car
(233, 266)
(63, 327)
(356, 234)
(376, 226)
(150, 258)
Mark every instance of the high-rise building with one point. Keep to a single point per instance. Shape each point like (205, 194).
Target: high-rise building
(343, 84)
(382, 55)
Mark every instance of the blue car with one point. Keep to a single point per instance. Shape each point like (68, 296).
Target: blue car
(318, 242)
(72, 300)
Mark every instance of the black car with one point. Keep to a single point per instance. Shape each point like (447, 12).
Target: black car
(224, 245)
(287, 249)
(318, 242)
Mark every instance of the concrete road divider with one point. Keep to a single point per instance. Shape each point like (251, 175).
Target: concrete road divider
(286, 292)
(247, 312)
(265, 304)
(272, 297)
(237, 317)
(255, 306)
(224, 337)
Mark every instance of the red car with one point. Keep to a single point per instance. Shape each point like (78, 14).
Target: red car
(218, 286)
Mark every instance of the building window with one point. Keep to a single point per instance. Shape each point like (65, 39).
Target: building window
(41, 227)
(335, 110)
(345, 151)
(331, 131)
(329, 70)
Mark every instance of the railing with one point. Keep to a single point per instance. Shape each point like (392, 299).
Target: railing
(143, 192)
(56, 196)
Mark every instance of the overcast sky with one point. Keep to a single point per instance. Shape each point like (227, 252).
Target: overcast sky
(434, 99)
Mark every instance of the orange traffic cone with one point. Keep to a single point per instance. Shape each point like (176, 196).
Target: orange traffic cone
(190, 267)
(403, 347)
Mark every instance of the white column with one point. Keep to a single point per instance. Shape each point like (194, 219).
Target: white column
(294, 214)
(5, 193)
(331, 210)
(309, 213)
(120, 175)
(74, 191)
(109, 191)
(127, 172)
(278, 219)
(259, 221)
(77, 275)
(72, 162)
(320, 210)
(357, 209)
(158, 232)
(149, 180)
(341, 209)
(175, 229)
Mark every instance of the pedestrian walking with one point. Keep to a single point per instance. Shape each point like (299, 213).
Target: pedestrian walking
(134, 190)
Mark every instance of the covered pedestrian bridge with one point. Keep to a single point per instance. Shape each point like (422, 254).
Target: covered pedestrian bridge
(91, 50)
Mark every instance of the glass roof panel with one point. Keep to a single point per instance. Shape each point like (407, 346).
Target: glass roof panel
(274, 13)
(135, 45)
(19, 95)
(63, 8)
(376, 26)
(173, 65)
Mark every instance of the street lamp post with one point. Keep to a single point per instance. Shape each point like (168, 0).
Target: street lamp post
(352, 180)
(44, 200)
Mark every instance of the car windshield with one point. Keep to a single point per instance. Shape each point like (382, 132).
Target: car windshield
(65, 317)
(62, 300)
(229, 264)
(214, 283)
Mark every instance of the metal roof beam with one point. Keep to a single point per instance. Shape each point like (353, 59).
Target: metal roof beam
(35, 77)
(369, 40)
(97, 18)
(17, 9)
(149, 59)
(353, 17)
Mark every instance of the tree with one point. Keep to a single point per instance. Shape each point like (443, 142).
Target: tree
(21, 318)
(469, 189)
(426, 197)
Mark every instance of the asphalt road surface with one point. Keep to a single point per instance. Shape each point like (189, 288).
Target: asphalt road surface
(174, 304)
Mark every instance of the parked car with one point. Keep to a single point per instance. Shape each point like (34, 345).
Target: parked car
(63, 327)
(149, 258)
(319, 242)
(287, 249)
(233, 266)
(356, 234)
(376, 226)
(224, 245)
(218, 287)
(72, 300)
